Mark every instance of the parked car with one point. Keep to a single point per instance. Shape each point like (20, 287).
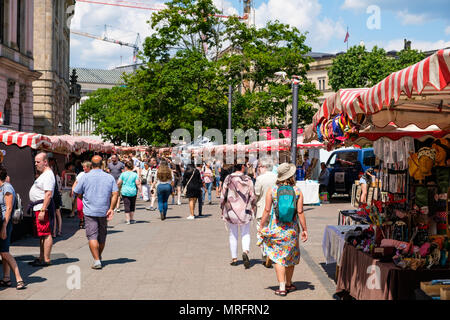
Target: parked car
(346, 166)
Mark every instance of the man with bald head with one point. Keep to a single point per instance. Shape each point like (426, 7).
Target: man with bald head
(41, 201)
(99, 192)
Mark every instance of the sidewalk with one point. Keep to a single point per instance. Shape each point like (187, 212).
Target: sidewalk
(172, 259)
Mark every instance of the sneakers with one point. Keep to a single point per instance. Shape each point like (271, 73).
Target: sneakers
(179, 203)
(151, 209)
(128, 222)
(132, 221)
(190, 218)
(97, 266)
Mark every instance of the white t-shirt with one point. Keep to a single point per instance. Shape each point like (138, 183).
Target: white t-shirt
(45, 182)
(82, 173)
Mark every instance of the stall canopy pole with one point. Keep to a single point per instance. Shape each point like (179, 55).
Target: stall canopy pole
(295, 82)
(230, 135)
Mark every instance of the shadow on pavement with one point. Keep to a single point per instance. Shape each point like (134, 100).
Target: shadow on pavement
(118, 261)
(113, 231)
(203, 216)
(142, 221)
(301, 285)
(330, 270)
(173, 217)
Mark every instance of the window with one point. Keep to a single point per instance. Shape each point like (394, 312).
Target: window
(7, 113)
(20, 24)
(347, 159)
(20, 117)
(2, 20)
(322, 84)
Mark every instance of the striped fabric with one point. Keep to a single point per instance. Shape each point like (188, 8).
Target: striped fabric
(429, 76)
(23, 139)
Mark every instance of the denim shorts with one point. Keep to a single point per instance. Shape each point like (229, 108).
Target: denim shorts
(4, 244)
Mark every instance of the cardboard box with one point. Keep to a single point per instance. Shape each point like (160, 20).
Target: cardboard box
(433, 290)
(445, 294)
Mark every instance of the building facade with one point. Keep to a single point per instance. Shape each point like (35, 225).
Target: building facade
(52, 51)
(91, 80)
(16, 64)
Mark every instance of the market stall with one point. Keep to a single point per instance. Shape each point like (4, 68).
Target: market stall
(407, 119)
(17, 156)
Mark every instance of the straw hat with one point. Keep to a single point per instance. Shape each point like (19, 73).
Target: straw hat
(285, 171)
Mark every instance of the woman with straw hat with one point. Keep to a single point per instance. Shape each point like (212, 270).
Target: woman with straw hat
(280, 239)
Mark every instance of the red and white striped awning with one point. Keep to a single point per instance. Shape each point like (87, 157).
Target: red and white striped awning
(347, 101)
(418, 94)
(24, 139)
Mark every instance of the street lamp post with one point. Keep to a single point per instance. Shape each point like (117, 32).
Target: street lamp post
(295, 83)
(229, 134)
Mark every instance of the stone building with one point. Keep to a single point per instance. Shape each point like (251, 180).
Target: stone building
(51, 58)
(91, 80)
(16, 64)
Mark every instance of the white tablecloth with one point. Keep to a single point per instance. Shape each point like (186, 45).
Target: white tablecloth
(310, 190)
(334, 240)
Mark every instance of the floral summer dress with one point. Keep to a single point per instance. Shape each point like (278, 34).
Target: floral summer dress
(280, 239)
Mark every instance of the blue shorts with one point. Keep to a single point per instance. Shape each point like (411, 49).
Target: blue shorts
(4, 244)
(218, 181)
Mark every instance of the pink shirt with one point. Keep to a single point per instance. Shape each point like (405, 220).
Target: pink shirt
(208, 175)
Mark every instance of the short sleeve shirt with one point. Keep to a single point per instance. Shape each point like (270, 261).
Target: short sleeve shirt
(129, 188)
(6, 188)
(45, 182)
(96, 187)
(116, 169)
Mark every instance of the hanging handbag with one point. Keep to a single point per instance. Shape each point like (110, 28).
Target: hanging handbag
(17, 214)
(183, 193)
(145, 180)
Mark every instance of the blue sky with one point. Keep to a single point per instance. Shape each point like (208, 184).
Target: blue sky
(425, 23)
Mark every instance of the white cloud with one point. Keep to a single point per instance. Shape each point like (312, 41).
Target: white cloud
(398, 44)
(303, 14)
(123, 25)
(355, 4)
(409, 18)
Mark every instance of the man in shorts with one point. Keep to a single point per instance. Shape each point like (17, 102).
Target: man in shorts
(99, 193)
(41, 198)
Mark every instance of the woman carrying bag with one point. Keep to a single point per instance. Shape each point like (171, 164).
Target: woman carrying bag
(192, 187)
(145, 182)
(7, 201)
(280, 239)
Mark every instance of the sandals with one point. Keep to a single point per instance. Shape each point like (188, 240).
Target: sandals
(5, 284)
(291, 288)
(40, 263)
(246, 260)
(281, 293)
(21, 285)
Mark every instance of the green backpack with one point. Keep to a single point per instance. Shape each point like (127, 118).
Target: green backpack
(286, 206)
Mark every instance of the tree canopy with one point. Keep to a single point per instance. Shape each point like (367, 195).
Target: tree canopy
(189, 62)
(358, 68)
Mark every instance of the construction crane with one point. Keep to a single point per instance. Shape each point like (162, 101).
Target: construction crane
(135, 46)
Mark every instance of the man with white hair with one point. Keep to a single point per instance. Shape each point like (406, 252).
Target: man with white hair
(264, 182)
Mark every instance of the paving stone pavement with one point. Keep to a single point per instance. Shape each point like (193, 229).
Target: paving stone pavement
(171, 260)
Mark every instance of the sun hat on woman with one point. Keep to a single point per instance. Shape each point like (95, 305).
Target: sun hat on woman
(285, 171)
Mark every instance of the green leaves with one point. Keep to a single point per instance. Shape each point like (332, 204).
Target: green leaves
(358, 68)
(187, 73)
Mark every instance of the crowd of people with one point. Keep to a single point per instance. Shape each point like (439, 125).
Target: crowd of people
(256, 189)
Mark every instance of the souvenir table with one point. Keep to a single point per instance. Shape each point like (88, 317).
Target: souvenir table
(366, 278)
(350, 217)
(310, 190)
(334, 241)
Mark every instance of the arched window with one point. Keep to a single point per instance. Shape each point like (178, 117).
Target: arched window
(7, 113)
(20, 117)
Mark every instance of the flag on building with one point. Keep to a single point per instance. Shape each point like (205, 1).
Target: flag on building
(346, 36)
